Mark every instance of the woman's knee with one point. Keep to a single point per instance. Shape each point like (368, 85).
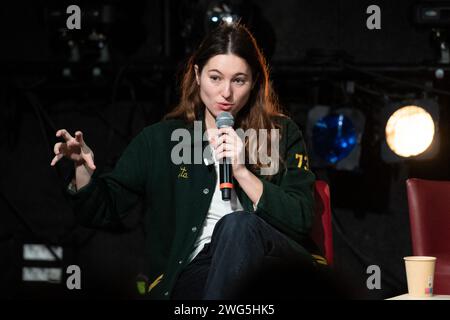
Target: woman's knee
(238, 220)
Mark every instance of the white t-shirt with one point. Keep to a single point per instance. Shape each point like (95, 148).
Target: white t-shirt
(217, 209)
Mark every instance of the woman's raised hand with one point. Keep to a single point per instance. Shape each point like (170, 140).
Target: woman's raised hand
(74, 148)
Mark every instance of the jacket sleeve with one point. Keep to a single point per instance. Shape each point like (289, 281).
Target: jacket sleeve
(289, 203)
(108, 197)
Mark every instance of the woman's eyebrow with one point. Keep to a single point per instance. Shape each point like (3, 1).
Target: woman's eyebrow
(236, 74)
(215, 70)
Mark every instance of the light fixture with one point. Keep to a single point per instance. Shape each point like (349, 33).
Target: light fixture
(334, 137)
(410, 130)
(198, 18)
(434, 14)
(436, 17)
(104, 34)
(222, 11)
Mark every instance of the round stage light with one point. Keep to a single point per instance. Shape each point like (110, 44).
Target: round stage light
(334, 137)
(221, 11)
(409, 131)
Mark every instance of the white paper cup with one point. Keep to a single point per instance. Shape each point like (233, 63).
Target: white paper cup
(420, 275)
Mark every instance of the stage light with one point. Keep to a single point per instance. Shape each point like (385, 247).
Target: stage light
(197, 18)
(334, 137)
(221, 11)
(410, 131)
(432, 14)
(91, 41)
(436, 17)
(108, 31)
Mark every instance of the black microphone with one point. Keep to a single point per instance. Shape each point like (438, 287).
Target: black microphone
(225, 120)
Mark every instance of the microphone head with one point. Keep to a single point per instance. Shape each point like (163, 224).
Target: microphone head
(224, 119)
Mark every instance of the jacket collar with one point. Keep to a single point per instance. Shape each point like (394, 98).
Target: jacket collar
(196, 138)
(197, 143)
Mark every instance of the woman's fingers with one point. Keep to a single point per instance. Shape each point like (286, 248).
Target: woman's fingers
(89, 160)
(57, 149)
(86, 152)
(79, 137)
(74, 149)
(227, 150)
(56, 159)
(222, 139)
(228, 130)
(70, 141)
(230, 155)
(229, 145)
(63, 133)
(225, 147)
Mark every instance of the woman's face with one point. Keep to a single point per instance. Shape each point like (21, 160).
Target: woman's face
(225, 84)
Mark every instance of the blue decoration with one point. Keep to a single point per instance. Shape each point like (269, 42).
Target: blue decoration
(334, 137)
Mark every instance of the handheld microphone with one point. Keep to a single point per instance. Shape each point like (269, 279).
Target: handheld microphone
(225, 120)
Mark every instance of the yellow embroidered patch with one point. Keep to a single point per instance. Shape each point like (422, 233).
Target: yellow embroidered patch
(183, 173)
(319, 259)
(155, 283)
(302, 161)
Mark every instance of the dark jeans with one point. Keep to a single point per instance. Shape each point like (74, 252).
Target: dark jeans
(243, 248)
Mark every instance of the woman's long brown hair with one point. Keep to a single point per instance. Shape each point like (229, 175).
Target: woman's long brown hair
(262, 105)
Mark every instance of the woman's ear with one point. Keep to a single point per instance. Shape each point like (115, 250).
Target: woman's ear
(197, 76)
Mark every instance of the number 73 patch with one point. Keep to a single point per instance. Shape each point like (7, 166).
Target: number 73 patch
(302, 161)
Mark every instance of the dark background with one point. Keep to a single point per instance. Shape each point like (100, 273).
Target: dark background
(316, 49)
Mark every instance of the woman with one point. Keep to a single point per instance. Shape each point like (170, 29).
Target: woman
(197, 245)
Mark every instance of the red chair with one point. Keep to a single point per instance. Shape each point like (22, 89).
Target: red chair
(429, 214)
(322, 232)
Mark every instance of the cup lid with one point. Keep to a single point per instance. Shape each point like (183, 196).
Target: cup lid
(419, 258)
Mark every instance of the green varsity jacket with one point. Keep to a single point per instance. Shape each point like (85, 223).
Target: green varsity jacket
(177, 197)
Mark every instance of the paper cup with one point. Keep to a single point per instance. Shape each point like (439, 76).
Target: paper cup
(420, 275)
